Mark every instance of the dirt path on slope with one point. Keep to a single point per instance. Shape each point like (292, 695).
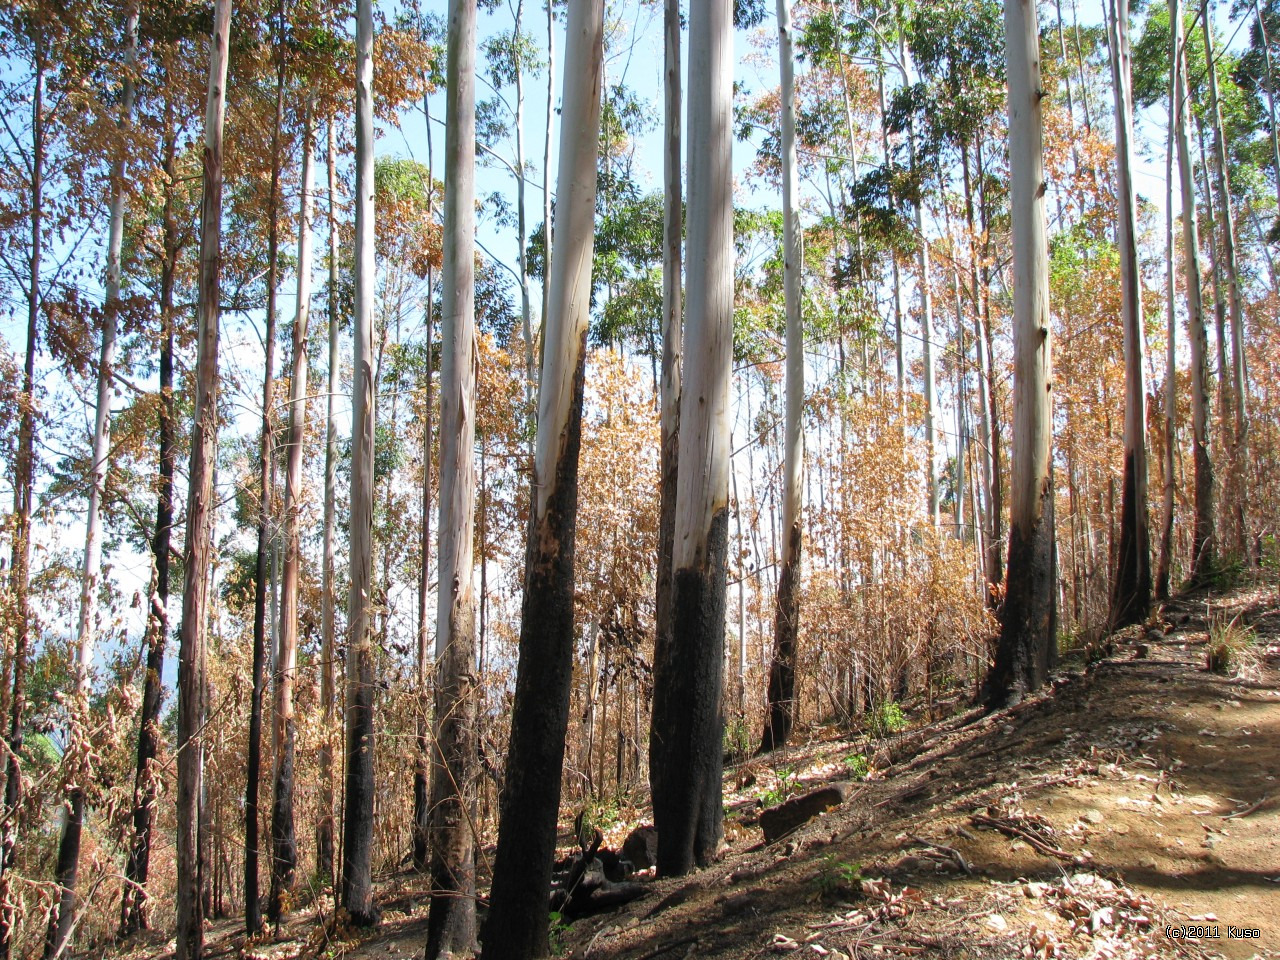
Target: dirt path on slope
(1140, 795)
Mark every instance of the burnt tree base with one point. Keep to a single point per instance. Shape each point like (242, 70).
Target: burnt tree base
(781, 712)
(1131, 593)
(686, 740)
(284, 844)
(518, 923)
(1028, 645)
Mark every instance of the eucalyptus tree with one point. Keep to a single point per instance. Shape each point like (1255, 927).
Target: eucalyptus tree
(1027, 647)
(284, 845)
(198, 547)
(62, 917)
(451, 926)
(1203, 538)
(1131, 588)
(1236, 396)
(686, 746)
(357, 827)
(518, 919)
(782, 673)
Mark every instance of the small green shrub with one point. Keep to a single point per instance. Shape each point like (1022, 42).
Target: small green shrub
(556, 932)
(886, 718)
(856, 766)
(1231, 646)
(838, 877)
(788, 784)
(738, 740)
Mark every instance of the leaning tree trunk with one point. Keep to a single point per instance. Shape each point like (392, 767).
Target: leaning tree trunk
(263, 580)
(328, 692)
(451, 925)
(672, 324)
(1237, 490)
(1131, 589)
(518, 919)
(198, 548)
(62, 918)
(782, 673)
(1028, 637)
(134, 899)
(357, 825)
(284, 845)
(23, 489)
(1203, 548)
(686, 737)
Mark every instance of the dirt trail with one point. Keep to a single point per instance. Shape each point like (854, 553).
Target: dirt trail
(1138, 795)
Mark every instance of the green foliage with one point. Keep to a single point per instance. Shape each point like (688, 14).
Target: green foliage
(788, 785)
(886, 718)
(738, 740)
(1231, 646)
(555, 933)
(856, 766)
(837, 877)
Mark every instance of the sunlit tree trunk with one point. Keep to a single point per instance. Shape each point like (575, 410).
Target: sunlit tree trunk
(1131, 589)
(672, 321)
(284, 846)
(522, 254)
(548, 233)
(1028, 637)
(62, 918)
(518, 918)
(357, 825)
(782, 672)
(198, 547)
(1203, 546)
(686, 736)
(1163, 571)
(328, 688)
(1238, 400)
(451, 928)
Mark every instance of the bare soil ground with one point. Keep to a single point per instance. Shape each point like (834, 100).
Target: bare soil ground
(1136, 797)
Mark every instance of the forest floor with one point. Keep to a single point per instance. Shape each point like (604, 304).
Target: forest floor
(1136, 796)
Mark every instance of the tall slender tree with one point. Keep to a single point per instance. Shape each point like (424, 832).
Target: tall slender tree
(357, 826)
(198, 548)
(1028, 635)
(451, 926)
(62, 918)
(782, 673)
(284, 846)
(518, 919)
(1131, 588)
(1203, 538)
(685, 741)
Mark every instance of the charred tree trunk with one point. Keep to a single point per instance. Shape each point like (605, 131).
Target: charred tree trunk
(1027, 648)
(518, 917)
(782, 672)
(686, 737)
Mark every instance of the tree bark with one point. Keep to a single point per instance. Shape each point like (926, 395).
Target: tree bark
(62, 917)
(451, 927)
(198, 548)
(672, 323)
(518, 917)
(781, 714)
(1027, 648)
(357, 827)
(1237, 492)
(686, 737)
(1203, 537)
(328, 688)
(1131, 588)
(135, 900)
(284, 845)
(1163, 571)
(263, 579)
